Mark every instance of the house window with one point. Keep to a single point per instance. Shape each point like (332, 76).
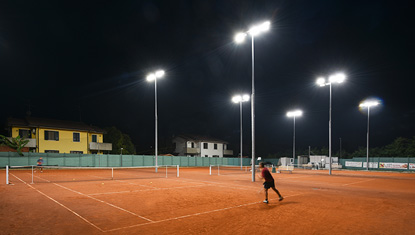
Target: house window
(77, 152)
(25, 133)
(51, 151)
(94, 138)
(225, 146)
(215, 156)
(193, 144)
(76, 137)
(215, 146)
(52, 135)
(205, 145)
(206, 155)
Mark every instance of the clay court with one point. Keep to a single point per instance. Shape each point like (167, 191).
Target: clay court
(347, 202)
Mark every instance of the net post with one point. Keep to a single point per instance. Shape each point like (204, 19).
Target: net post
(32, 173)
(7, 174)
(210, 169)
(166, 171)
(178, 171)
(112, 173)
(218, 170)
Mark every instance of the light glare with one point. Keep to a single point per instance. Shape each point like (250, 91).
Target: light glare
(151, 77)
(265, 26)
(240, 37)
(295, 113)
(159, 73)
(369, 103)
(339, 78)
(321, 81)
(245, 98)
(239, 98)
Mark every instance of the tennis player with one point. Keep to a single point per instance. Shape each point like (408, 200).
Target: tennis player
(40, 163)
(268, 182)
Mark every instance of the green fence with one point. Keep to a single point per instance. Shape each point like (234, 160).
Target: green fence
(380, 163)
(108, 160)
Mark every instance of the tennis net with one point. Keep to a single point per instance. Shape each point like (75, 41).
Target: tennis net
(230, 169)
(37, 174)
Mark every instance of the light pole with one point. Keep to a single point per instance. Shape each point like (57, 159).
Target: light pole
(239, 38)
(293, 114)
(121, 156)
(240, 99)
(367, 104)
(336, 78)
(153, 77)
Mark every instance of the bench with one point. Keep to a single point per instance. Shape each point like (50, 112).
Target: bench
(285, 168)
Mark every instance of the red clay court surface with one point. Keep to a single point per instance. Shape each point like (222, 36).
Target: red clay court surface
(347, 202)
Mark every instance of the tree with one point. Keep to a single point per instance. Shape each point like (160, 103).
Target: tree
(119, 140)
(401, 147)
(14, 143)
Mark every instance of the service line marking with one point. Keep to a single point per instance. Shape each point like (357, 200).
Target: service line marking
(60, 204)
(196, 214)
(144, 190)
(358, 182)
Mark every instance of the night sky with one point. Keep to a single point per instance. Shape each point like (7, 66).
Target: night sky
(88, 61)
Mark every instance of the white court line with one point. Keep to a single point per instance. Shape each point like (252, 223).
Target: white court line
(90, 223)
(109, 204)
(358, 182)
(144, 190)
(195, 214)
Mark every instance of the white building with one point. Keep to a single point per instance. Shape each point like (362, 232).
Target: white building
(200, 146)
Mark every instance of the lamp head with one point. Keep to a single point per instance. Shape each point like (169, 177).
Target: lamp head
(295, 113)
(338, 78)
(151, 77)
(321, 81)
(240, 37)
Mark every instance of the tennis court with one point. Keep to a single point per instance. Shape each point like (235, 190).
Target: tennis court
(347, 202)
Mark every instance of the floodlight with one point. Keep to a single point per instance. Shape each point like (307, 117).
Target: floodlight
(151, 77)
(369, 103)
(265, 26)
(159, 73)
(321, 81)
(240, 37)
(245, 97)
(255, 30)
(296, 113)
(236, 99)
(338, 77)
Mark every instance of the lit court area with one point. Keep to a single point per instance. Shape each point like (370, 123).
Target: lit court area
(92, 202)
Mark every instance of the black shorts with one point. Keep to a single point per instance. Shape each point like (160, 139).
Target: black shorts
(269, 184)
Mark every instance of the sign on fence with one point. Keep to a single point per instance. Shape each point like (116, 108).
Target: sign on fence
(353, 164)
(371, 165)
(393, 165)
(411, 166)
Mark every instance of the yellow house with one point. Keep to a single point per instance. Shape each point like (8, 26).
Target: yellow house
(57, 136)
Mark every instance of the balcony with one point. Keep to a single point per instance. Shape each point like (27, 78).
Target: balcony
(100, 146)
(30, 144)
(192, 150)
(227, 152)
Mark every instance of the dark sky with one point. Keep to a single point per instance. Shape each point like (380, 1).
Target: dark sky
(88, 60)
